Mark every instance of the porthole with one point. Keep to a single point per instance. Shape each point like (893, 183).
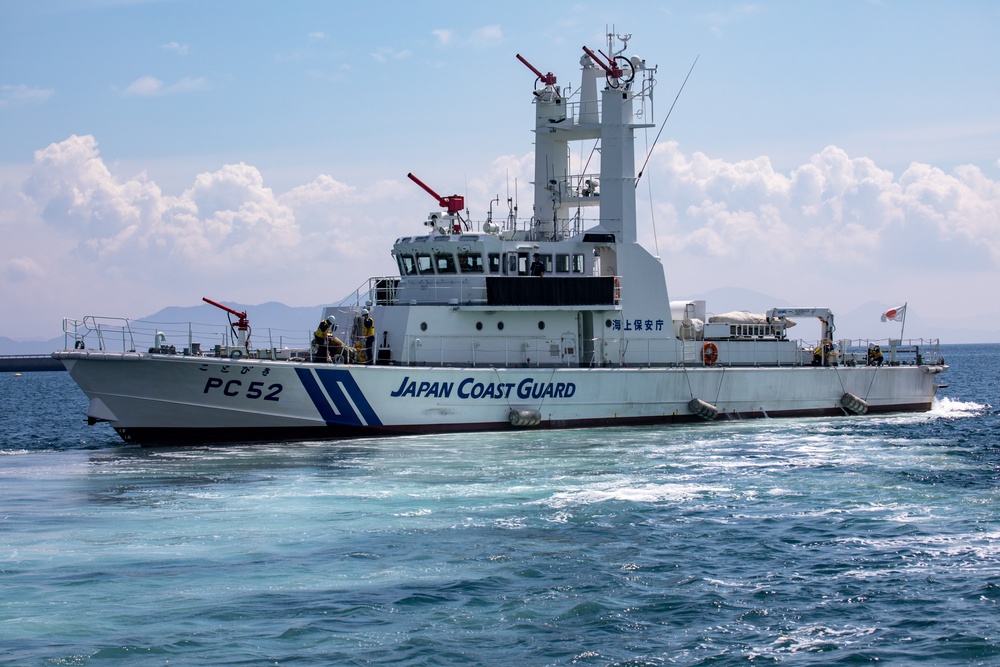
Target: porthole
(423, 326)
(541, 325)
(500, 326)
(607, 323)
(479, 326)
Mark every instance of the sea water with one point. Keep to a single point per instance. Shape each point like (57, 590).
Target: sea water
(842, 540)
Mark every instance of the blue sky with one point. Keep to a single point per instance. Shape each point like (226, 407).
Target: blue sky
(151, 153)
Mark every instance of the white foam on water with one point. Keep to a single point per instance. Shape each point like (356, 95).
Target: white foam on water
(814, 638)
(947, 407)
(627, 492)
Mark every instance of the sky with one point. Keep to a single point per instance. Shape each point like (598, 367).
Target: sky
(156, 152)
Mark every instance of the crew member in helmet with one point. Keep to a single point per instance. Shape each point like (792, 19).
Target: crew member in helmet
(321, 339)
(368, 332)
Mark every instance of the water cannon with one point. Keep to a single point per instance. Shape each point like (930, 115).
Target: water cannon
(242, 325)
(547, 79)
(618, 69)
(453, 204)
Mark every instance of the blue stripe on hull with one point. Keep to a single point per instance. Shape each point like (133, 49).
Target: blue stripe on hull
(350, 407)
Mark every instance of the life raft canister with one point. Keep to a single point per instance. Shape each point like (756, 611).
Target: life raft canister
(709, 353)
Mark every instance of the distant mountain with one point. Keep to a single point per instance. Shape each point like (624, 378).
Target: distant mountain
(11, 346)
(299, 320)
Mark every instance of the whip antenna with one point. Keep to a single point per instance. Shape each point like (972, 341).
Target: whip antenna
(648, 155)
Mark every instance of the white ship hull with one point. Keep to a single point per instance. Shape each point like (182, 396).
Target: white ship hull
(162, 400)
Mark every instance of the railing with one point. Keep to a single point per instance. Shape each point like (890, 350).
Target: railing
(649, 352)
(119, 334)
(79, 334)
(115, 334)
(894, 351)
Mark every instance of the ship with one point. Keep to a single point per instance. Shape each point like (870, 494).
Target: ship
(561, 319)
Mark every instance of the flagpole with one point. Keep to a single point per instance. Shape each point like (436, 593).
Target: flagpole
(902, 326)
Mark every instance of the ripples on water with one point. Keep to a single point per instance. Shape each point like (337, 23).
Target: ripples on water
(813, 541)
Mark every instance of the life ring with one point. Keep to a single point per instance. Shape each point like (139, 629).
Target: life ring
(709, 353)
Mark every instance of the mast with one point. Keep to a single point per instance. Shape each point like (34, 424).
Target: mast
(608, 116)
(551, 153)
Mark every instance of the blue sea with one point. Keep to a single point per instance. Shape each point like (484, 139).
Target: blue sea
(827, 541)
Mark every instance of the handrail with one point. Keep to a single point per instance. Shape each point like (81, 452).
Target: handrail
(119, 334)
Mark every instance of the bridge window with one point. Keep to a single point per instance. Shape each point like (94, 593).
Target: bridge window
(444, 262)
(562, 263)
(578, 263)
(407, 267)
(470, 262)
(494, 259)
(424, 264)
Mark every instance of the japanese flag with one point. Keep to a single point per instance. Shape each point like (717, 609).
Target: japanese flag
(895, 314)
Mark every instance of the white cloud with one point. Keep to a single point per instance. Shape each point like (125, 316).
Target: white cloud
(846, 210)
(488, 35)
(226, 217)
(443, 36)
(150, 86)
(21, 269)
(145, 86)
(22, 94)
(189, 84)
(175, 47)
(385, 54)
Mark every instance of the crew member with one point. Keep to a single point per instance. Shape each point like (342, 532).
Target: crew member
(537, 267)
(321, 339)
(825, 355)
(875, 357)
(368, 331)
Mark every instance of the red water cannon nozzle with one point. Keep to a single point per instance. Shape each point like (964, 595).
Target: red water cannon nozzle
(243, 324)
(610, 67)
(453, 204)
(547, 79)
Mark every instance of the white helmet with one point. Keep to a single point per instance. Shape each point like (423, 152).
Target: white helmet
(333, 322)
(364, 311)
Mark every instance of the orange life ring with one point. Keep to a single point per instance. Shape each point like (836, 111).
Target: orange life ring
(709, 353)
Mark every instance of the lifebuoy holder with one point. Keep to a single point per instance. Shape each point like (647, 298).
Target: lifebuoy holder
(710, 353)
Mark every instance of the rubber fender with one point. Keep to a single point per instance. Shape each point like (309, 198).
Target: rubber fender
(703, 409)
(522, 418)
(853, 404)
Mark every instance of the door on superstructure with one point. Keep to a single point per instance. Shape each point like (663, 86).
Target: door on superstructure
(569, 350)
(516, 263)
